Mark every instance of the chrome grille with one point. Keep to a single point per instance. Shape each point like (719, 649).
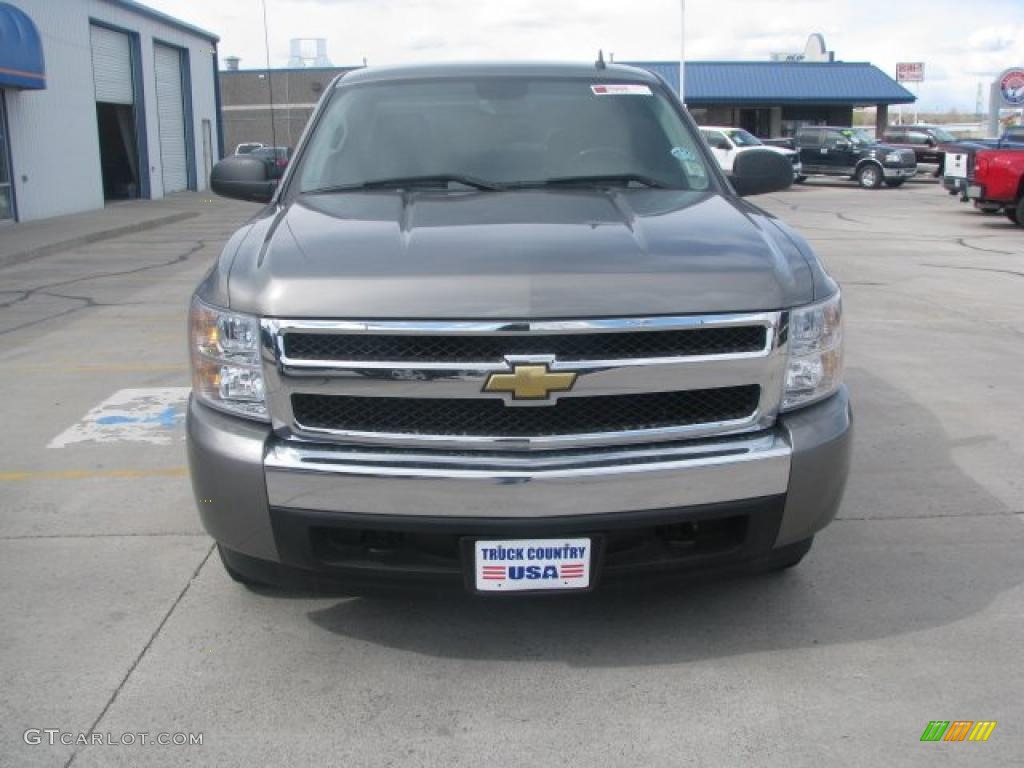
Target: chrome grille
(570, 416)
(422, 384)
(463, 349)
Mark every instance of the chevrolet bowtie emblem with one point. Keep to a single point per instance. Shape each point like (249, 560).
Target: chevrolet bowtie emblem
(530, 382)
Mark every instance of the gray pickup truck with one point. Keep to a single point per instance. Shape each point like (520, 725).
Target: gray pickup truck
(508, 328)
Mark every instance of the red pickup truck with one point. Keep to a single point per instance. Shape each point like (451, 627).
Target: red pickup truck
(998, 179)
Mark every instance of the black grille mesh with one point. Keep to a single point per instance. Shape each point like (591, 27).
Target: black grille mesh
(487, 417)
(577, 346)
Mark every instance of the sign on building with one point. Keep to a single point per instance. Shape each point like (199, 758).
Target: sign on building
(1011, 87)
(910, 72)
(814, 50)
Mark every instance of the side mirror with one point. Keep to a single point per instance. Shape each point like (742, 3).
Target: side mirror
(930, 141)
(243, 178)
(759, 171)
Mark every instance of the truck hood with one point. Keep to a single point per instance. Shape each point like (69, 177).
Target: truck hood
(518, 254)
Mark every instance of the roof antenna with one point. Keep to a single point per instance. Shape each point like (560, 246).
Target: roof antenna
(600, 60)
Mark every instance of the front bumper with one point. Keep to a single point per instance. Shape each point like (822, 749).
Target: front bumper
(982, 202)
(956, 185)
(268, 499)
(901, 172)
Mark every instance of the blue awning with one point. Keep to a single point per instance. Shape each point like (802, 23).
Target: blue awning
(21, 51)
(775, 82)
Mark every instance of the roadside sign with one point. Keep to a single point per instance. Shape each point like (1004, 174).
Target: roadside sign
(910, 72)
(1011, 87)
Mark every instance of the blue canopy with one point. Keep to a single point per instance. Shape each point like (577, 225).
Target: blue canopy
(21, 51)
(781, 82)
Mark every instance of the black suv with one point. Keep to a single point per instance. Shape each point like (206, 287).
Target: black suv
(855, 153)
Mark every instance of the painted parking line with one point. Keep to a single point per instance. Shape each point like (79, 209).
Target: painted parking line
(97, 368)
(90, 474)
(154, 416)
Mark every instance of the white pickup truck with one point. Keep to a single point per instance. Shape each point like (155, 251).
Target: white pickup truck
(727, 142)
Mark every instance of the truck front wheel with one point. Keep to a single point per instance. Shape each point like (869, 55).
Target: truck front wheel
(869, 176)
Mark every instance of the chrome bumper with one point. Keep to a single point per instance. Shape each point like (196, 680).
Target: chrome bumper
(241, 469)
(420, 484)
(898, 173)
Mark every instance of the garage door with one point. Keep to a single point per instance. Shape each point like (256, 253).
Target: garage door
(111, 66)
(171, 118)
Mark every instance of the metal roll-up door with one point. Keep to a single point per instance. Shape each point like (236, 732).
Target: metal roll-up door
(111, 66)
(171, 118)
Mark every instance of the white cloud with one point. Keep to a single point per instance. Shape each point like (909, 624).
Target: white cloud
(958, 41)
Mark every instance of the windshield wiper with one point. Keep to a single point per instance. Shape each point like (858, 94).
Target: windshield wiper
(598, 180)
(408, 181)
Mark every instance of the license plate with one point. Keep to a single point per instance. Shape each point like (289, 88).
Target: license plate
(517, 565)
(974, 192)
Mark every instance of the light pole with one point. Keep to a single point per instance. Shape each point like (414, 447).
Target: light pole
(682, 51)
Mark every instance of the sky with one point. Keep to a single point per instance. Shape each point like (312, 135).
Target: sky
(962, 42)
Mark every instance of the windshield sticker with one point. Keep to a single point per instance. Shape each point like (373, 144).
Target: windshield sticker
(694, 169)
(621, 89)
(684, 154)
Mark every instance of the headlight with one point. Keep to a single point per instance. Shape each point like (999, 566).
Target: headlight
(894, 157)
(815, 368)
(225, 352)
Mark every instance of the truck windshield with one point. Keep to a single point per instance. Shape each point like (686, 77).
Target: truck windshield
(500, 132)
(941, 134)
(742, 138)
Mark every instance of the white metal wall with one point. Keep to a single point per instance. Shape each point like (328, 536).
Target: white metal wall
(54, 136)
(171, 118)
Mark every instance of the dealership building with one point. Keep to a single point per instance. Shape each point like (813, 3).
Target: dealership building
(775, 98)
(100, 101)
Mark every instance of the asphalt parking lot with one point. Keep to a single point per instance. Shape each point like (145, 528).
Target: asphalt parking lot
(910, 607)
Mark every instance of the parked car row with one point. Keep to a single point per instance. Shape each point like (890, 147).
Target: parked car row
(827, 150)
(990, 172)
(960, 157)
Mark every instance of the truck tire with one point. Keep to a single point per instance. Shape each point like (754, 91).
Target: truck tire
(869, 176)
(894, 183)
(1015, 213)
